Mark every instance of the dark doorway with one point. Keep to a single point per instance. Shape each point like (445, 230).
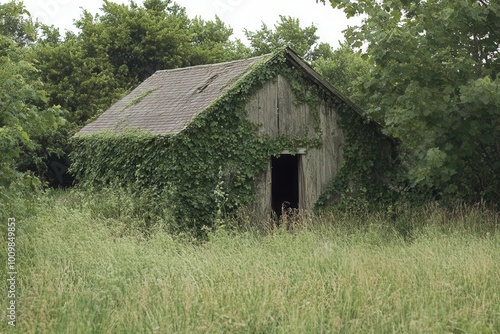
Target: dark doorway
(285, 182)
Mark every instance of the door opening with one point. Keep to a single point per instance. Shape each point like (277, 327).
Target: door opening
(285, 182)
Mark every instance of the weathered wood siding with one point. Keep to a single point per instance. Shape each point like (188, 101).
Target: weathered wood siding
(263, 203)
(322, 164)
(262, 108)
(273, 108)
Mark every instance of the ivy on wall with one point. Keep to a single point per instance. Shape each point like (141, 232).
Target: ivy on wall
(219, 155)
(370, 164)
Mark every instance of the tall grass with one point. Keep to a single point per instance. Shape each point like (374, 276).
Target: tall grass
(84, 269)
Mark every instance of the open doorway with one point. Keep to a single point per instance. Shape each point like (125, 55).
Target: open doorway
(285, 182)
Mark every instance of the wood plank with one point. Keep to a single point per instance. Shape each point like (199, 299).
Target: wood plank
(299, 151)
(268, 105)
(252, 109)
(295, 120)
(263, 193)
(284, 107)
(261, 109)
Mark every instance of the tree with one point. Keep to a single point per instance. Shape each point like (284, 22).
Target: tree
(83, 82)
(286, 32)
(211, 43)
(137, 40)
(435, 85)
(16, 24)
(24, 108)
(345, 69)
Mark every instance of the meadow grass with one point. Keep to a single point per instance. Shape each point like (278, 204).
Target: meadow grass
(88, 267)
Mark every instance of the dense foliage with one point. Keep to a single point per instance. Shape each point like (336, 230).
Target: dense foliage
(345, 69)
(435, 85)
(25, 111)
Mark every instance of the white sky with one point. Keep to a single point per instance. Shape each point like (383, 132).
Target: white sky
(238, 14)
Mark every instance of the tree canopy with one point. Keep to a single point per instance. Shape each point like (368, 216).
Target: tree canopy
(345, 69)
(435, 85)
(286, 32)
(25, 111)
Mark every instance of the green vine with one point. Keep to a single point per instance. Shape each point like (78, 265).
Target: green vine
(139, 98)
(369, 161)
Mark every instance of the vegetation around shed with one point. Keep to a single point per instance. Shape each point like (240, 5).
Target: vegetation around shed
(264, 132)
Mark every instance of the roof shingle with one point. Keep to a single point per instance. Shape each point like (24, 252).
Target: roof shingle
(166, 102)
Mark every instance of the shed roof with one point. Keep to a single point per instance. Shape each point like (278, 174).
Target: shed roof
(166, 102)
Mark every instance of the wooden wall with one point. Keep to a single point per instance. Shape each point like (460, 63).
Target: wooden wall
(273, 108)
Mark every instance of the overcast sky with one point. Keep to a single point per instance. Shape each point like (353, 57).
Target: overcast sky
(238, 14)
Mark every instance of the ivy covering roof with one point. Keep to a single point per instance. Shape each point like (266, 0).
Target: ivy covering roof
(167, 101)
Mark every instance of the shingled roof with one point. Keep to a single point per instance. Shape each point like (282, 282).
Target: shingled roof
(167, 101)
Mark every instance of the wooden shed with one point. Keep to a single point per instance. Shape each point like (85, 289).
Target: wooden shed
(295, 112)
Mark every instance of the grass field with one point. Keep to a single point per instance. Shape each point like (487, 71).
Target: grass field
(82, 269)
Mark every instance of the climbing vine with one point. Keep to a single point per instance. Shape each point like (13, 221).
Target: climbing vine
(210, 166)
(370, 162)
